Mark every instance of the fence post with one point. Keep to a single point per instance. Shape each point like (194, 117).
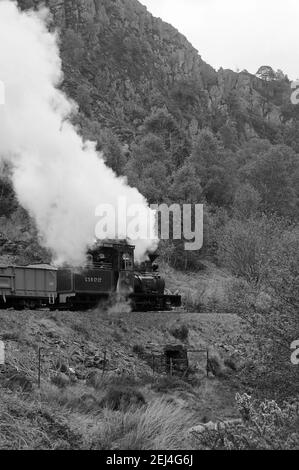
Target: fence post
(2, 353)
(208, 360)
(39, 367)
(104, 362)
(171, 367)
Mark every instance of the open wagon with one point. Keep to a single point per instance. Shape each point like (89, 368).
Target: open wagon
(27, 286)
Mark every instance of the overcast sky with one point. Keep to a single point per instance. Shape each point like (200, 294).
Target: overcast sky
(237, 34)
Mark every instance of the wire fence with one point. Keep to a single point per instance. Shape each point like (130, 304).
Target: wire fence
(160, 364)
(174, 361)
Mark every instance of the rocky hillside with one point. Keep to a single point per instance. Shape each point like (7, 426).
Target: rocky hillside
(121, 63)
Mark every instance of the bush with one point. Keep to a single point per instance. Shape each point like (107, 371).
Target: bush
(270, 310)
(71, 398)
(181, 333)
(230, 364)
(60, 380)
(138, 349)
(168, 383)
(81, 329)
(18, 381)
(245, 247)
(215, 366)
(121, 398)
(266, 426)
(193, 303)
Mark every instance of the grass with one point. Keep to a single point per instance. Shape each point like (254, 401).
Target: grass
(122, 398)
(27, 424)
(74, 398)
(201, 292)
(167, 383)
(77, 416)
(156, 426)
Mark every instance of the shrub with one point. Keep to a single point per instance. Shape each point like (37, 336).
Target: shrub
(18, 381)
(266, 426)
(94, 379)
(11, 336)
(81, 329)
(72, 398)
(245, 246)
(230, 364)
(138, 349)
(116, 335)
(196, 301)
(215, 366)
(181, 333)
(270, 310)
(168, 383)
(121, 398)
(60, 380)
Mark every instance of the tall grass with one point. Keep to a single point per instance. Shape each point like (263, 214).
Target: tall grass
(157, 426)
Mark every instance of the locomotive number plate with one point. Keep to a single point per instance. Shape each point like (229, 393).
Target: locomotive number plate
(94, 280)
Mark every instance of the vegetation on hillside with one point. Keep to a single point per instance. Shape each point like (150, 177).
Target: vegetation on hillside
(181, 133)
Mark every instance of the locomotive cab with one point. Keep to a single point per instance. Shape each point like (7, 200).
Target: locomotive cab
(118, 257)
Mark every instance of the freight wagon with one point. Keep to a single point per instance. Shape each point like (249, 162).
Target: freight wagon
(28, 286)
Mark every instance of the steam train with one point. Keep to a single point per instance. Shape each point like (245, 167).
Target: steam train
(109, 271)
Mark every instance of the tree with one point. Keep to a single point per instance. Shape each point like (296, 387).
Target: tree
(153, 183)
(186, 187)
(150, 149)
(265, 72)
(8, 202)
(206, 149)
(160, 122)
(215, 168)
(271, 175)
(270, 309)
(83, 98)
(245, 246)
(246, 201)
(147, 169)
(73, 47)
(113, 151)
(280, 76)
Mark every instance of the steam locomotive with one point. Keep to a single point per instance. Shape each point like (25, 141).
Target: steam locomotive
(109, 271)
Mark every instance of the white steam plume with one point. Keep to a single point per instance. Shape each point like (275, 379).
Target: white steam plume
(57, 177)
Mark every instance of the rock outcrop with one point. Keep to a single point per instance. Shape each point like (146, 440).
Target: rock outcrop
(129, 62)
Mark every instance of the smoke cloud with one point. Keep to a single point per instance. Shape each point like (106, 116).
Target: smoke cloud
(58, 178)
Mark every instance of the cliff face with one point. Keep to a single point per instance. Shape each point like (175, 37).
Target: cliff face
(129, 62)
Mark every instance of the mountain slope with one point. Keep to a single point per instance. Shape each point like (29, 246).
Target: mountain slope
(120, 62)
(180, 131)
